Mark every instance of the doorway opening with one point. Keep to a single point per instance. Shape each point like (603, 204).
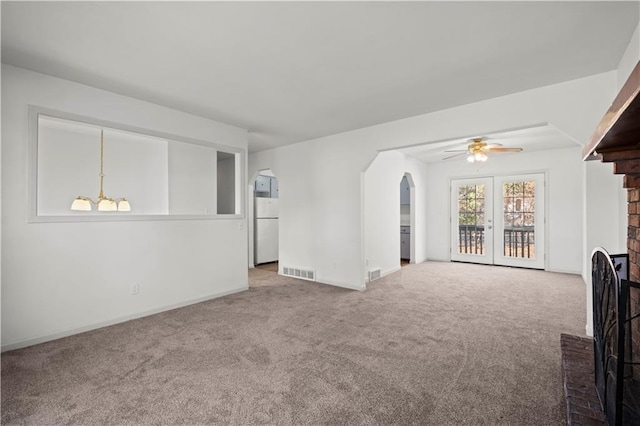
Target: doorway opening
(407, 219)
(499, 220)
(266, 221)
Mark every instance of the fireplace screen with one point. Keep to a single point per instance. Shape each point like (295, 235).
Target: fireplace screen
(614, 322)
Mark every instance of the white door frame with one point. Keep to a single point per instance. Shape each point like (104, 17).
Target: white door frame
(540, 229)
(412, 216)
(487, 256)
(494, 220)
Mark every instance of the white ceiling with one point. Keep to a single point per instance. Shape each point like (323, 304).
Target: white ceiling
(293, 71)
(530, 139)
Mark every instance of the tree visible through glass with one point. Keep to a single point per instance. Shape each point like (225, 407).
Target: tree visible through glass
(471, 210)
(519, 207)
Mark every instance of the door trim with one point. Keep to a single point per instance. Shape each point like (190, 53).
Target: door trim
(539, 220)
(544, 172)
(488, 235)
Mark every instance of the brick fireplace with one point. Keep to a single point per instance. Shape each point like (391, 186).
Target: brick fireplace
(633, 248)
(616, 140)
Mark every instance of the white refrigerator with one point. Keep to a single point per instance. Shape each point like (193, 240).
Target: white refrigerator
(266, 230)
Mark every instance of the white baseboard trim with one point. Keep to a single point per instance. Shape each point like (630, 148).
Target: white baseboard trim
(437, 259)
(382, 274)
(589, 330)
(83, 329)
(343, 285)
(564, 271)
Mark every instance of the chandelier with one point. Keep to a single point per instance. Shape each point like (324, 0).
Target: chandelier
(104, 204)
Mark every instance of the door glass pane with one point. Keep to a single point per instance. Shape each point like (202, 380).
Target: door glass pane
(519, 219)
(471, 219)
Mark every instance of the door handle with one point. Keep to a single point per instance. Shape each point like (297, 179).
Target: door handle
(489, 227)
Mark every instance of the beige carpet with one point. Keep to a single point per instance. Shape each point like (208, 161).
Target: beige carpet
(271, 266)
(435, 343)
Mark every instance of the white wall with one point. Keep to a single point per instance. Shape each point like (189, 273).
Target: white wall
(58, 278)
(605, 220)
(382, 210)
(319, 209)
(227, 186)
(192, 178)
(322, 188)
(628, 62)
(629, 59)
(604, 192)
(564, 182)
(605, 195)
(135, 167)
(1, 194)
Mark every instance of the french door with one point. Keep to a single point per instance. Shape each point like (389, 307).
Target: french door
(498, 220)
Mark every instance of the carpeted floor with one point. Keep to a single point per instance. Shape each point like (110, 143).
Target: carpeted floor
(435, 343)
(271, 266)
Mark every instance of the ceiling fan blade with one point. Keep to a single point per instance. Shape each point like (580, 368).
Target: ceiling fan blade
(504, 150)
(454, 155)
(456, 150)
(493, 145)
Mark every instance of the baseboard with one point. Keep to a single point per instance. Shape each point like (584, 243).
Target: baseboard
(437, 259)
(342, 285)
(559, 271)
(564, 271)
(589, 330)
(71, 332)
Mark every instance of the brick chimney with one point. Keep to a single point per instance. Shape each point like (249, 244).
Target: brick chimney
(617, 140)
(633, 248)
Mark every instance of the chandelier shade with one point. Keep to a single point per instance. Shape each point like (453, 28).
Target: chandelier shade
(81, 204)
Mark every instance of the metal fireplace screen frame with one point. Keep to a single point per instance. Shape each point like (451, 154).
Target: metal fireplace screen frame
(619, 393)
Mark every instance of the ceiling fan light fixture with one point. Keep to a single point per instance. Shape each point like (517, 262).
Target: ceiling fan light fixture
(477, 156)
(478, 149)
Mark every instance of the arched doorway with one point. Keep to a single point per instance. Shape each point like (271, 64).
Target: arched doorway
(407, 220)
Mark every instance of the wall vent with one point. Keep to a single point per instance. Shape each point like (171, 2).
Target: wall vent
(374, 274)
(305, 274)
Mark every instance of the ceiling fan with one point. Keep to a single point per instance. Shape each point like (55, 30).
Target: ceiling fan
(478, 149)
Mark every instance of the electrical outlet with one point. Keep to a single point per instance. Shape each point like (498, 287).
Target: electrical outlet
(135, 288)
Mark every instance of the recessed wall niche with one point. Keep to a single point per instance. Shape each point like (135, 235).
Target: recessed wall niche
(161, 176)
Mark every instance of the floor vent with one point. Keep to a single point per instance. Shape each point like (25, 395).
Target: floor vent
(305, 274)
(374, 274)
